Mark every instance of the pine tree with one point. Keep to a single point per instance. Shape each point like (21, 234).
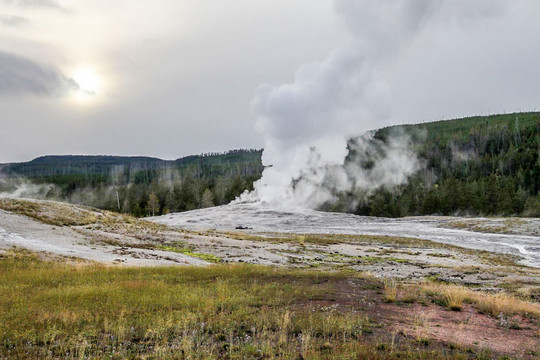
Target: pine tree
(170, 201)
(207, 199)
(153, 204)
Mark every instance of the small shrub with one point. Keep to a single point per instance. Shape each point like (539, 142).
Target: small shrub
(455, 297)
(390, 291)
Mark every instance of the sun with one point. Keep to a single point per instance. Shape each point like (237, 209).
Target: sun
(87, 80)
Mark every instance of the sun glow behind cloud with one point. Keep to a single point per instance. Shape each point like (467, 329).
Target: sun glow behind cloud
(89, 82)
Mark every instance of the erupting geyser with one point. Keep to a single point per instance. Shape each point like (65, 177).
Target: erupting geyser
(307, 124)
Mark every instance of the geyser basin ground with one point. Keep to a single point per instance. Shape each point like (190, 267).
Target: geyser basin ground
(338, 295)
(410, 249)
(258, 218)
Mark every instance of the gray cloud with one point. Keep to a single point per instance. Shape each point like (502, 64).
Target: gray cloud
(13, 20)
(20, 75)
(383, 26)
(33, 3)
(194, 80)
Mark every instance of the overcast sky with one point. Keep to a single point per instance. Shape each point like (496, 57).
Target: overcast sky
(169, 78)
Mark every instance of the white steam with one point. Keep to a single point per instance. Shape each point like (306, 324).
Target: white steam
(307, 124)
(21, 188)
(391, 162)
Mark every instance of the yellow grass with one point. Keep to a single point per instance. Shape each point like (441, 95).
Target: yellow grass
(455, 296)
(53, 310)
(395, 291)
(390, 291)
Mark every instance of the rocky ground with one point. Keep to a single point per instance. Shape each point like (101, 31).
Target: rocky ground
(514, 236)
(266, 237)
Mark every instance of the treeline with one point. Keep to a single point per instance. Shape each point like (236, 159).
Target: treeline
(477, 166)
(87, 165)
(160, 197)
(104, 166)
(473, 166)
(140, 186)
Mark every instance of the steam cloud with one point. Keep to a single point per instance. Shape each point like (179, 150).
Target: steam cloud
(308, 124)
(370, 164)
(22, 188)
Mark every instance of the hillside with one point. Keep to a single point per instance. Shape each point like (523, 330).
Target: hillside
(66, 165)
(125, 183)
(478, 165)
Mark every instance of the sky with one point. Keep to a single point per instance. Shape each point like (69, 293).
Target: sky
(169, 78)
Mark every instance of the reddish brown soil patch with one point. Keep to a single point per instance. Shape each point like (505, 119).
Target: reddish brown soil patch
(517, 337)
(467, 328)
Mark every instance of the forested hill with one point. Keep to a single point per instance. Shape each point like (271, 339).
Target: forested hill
(127, 184)
(478, 165)
(487, 165)
(80, 165)
(66, 165)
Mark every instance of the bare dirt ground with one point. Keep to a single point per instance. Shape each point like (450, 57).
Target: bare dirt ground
(468, 328)
(430, 324)
(512, 226)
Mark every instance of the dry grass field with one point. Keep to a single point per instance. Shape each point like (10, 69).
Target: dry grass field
(50, 309)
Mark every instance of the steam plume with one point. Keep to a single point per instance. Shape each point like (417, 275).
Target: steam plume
(22, 188)
(309, 123)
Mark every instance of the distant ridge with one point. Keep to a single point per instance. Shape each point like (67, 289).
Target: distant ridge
(53, 165)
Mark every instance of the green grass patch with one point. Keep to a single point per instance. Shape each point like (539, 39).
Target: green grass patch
(189, 252)
(54, 310)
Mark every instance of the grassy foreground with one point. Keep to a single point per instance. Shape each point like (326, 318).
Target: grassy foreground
(56, 310)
